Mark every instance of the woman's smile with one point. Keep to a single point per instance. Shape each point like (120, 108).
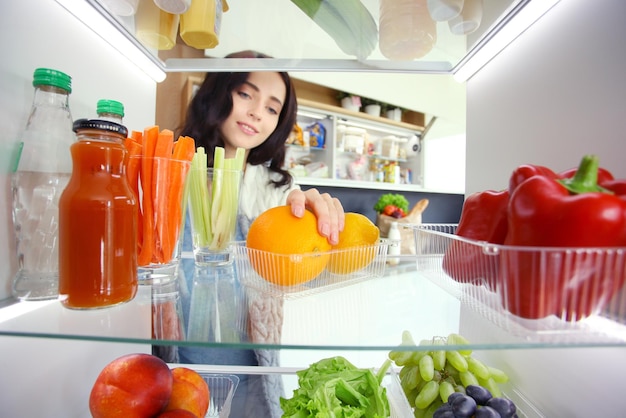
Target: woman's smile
(247, 129)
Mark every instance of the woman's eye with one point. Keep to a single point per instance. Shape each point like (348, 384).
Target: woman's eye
(243, 94)
(272, 111)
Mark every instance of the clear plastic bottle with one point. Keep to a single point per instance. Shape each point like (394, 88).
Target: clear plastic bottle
(395, 243)
(406, 29)
(43, 169)
(110, 110)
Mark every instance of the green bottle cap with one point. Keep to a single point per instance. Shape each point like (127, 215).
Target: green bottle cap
(50, 77)
(110, 106)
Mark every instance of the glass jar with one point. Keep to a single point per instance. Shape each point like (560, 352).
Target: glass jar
(98, 221)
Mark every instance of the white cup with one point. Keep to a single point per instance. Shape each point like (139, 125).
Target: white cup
(444, 10)
(469, 19)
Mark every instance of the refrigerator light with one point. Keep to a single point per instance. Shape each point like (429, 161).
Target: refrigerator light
(501, 37)
(105, 28)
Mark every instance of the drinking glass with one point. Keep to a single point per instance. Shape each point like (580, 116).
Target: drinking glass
(160, 184)
(213, 207)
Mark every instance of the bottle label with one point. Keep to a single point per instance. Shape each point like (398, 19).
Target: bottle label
(16, 155)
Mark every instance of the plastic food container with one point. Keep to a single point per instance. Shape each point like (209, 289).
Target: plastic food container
(353, 139)
(222, 389)
(537, 292)
(296, 275)
(391, 146)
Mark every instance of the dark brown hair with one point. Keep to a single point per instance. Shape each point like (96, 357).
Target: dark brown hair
(211, 106)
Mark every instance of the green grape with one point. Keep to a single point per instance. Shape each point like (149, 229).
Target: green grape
(439, 356)
(426, 368)
(457, 360)
(410, 394)
(407, 338)
(427, 395)
(491, 386)
(445, 390)
(456, 339)
(437, 376)
(417, 355)
(468, 378)
(478, 368)
(404, 371)
(430, 411)
(498, 375)
(419, 413)
(402, 358)
(459, 388)
(450, 371)
(411, 378)
(426, 342)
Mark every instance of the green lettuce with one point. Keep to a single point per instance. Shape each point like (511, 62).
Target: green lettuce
(335, 388)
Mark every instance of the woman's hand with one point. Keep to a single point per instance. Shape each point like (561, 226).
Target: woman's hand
(327, 209)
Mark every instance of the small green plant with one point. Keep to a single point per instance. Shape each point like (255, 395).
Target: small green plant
(394, 199)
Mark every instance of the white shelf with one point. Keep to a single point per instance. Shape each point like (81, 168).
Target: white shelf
(337, 160)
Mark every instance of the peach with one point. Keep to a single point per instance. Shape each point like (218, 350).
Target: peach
(132, 386)
(176, 413)
(189, 391)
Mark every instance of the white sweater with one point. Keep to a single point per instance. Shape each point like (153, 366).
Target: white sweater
(258, 195)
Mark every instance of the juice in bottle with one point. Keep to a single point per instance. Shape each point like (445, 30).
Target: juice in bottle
(98, 221)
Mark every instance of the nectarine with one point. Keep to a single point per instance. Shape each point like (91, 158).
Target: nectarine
(189, 391)
(176, 413)
(132, 386)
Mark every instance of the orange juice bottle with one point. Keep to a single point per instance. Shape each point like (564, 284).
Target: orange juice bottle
(97, 221)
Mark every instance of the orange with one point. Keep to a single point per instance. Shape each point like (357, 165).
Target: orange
(357, 244)
(286, 250)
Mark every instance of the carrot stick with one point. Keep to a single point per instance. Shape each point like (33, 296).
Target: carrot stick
(149, 143)
(132, 174)
(161, 189)
(184, 150)
(137, 136)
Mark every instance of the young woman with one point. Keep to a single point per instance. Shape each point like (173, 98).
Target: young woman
(255, 111)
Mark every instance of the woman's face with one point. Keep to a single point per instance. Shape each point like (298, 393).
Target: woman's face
(256, 108)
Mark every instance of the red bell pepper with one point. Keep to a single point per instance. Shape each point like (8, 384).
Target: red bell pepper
(526, 171)
(575, 212)
(617, 186)
(483, 218)
(604, 175)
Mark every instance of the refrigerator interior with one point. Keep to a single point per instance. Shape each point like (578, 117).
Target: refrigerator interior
(556, 93)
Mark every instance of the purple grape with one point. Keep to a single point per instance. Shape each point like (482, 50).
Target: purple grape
(463, 406)
(505, 407)
(486, 412)
(444, 411)
(480, 394)
(454, 395)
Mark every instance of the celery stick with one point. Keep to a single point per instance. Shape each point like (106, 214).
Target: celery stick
(214, 217)
(224, 197)
(219, 162)
(200, 199)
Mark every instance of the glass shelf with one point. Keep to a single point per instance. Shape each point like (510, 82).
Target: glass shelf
(278, 28)
(368, 316)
